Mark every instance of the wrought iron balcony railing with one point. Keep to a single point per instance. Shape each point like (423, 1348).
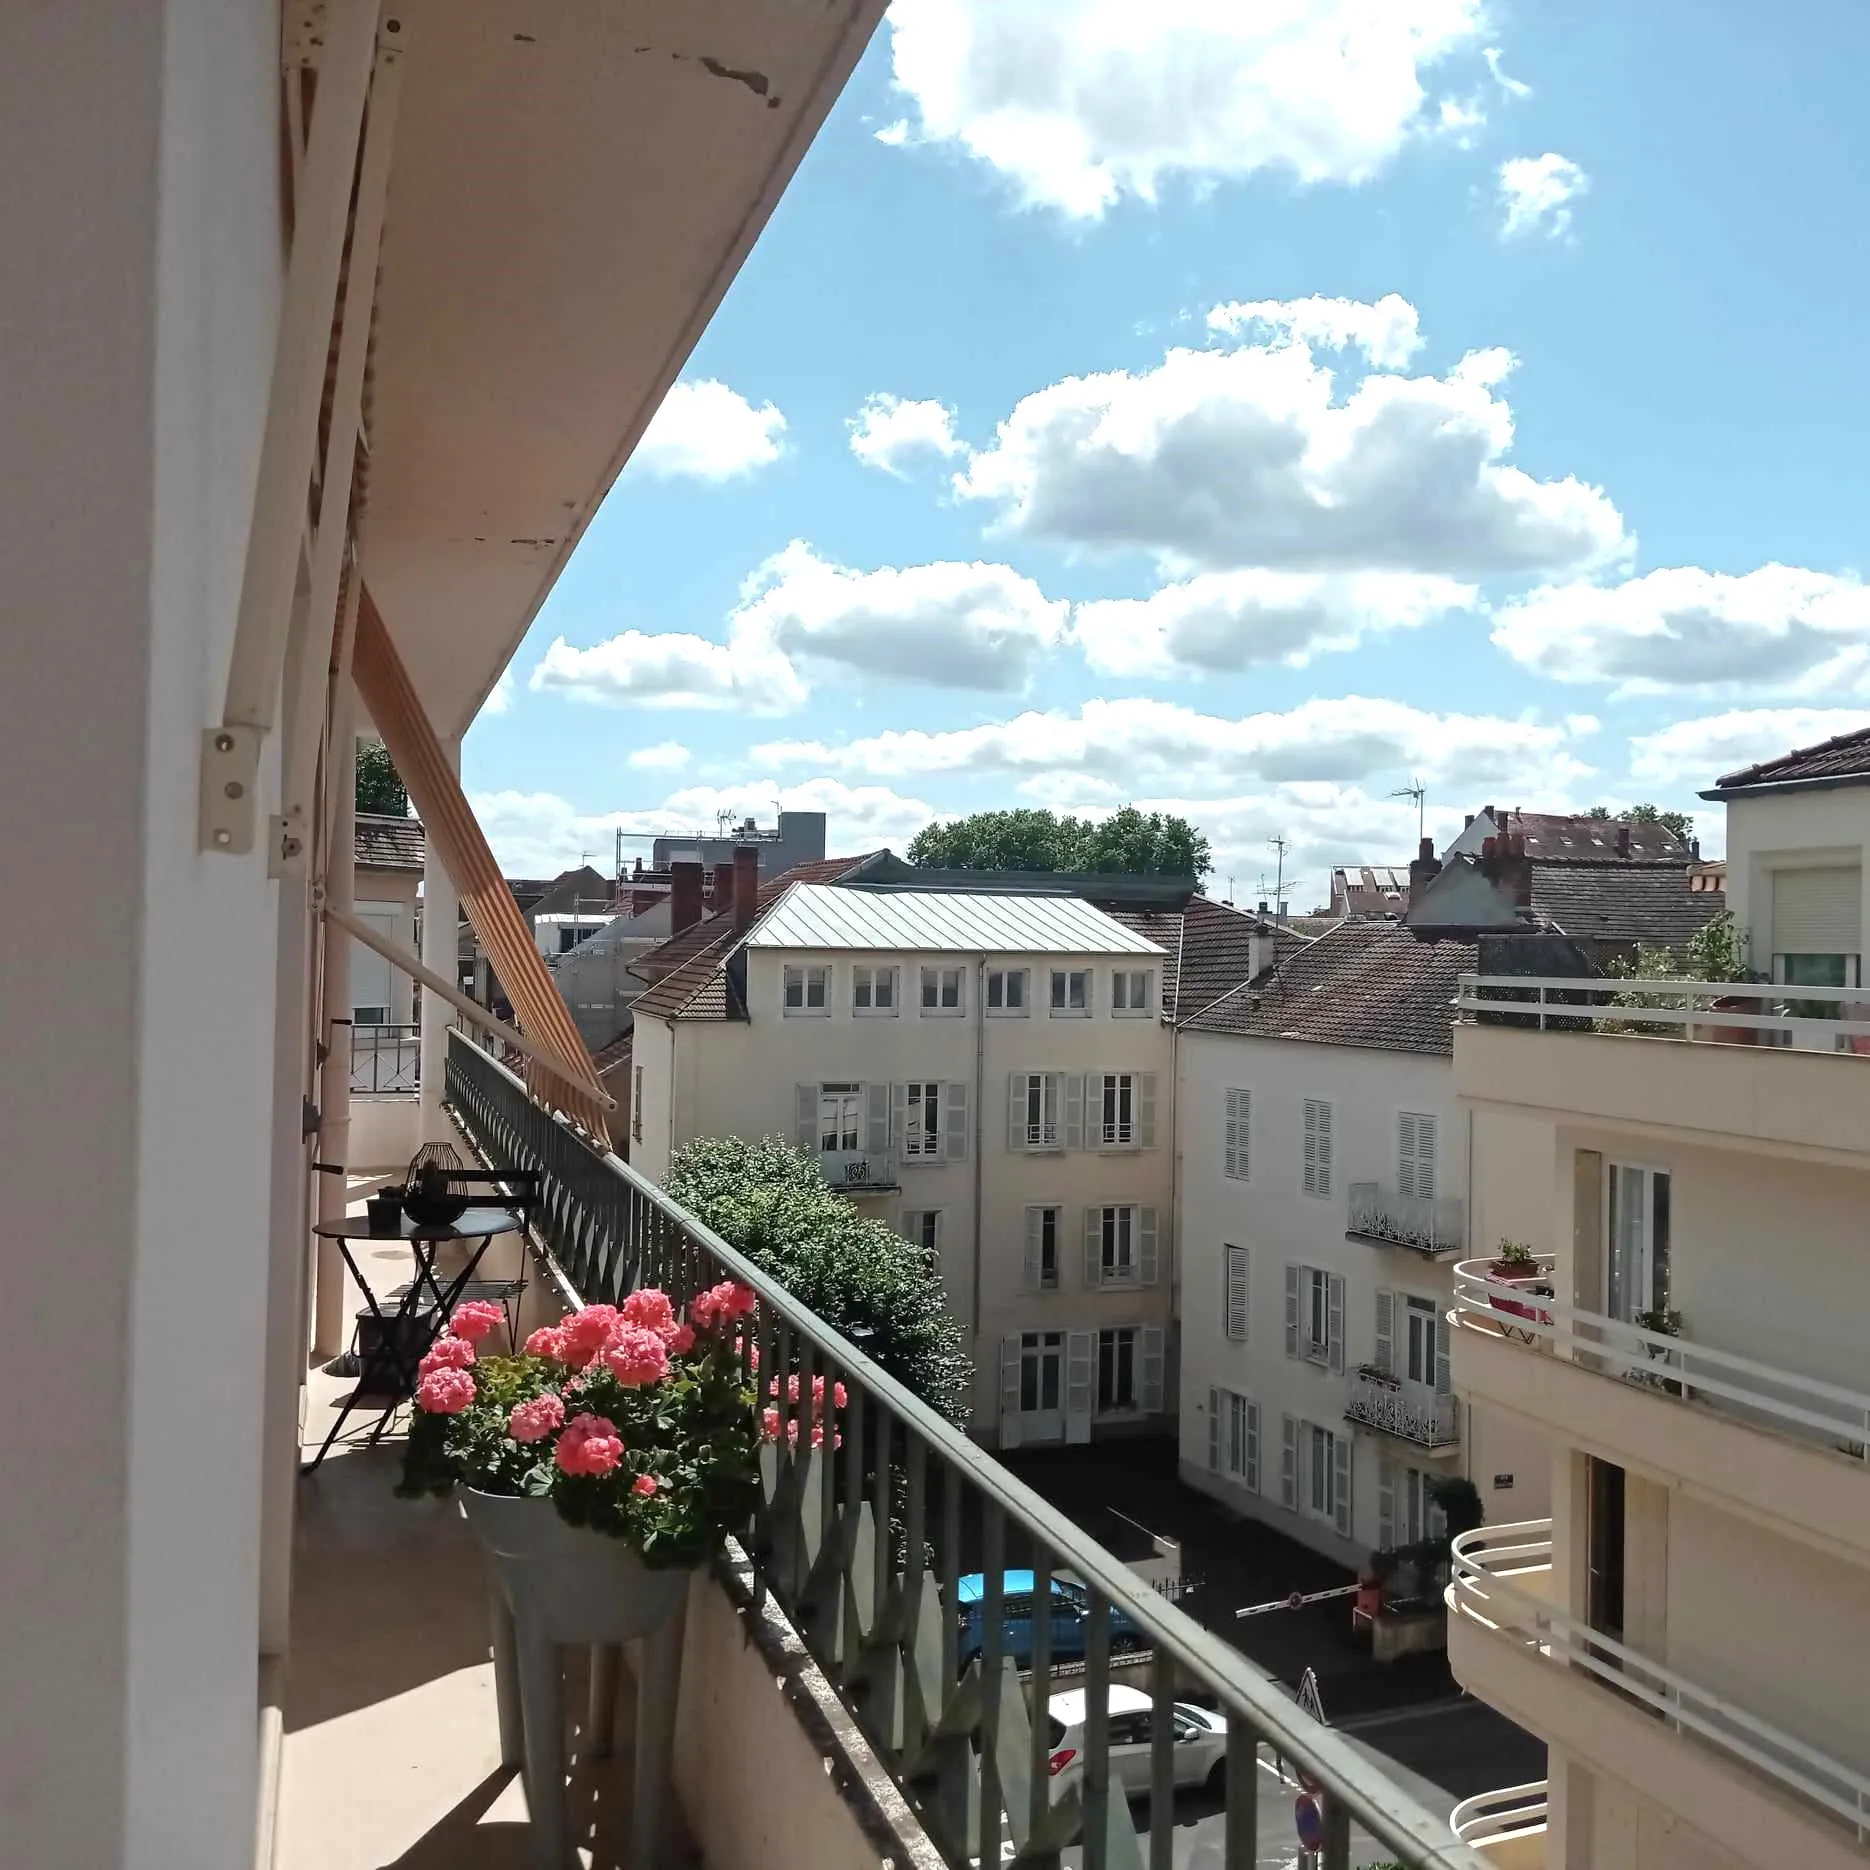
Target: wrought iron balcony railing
(859, 1169)
(865, 1545)
(1405, 1410)
(386, 1060)
(1430, 1225)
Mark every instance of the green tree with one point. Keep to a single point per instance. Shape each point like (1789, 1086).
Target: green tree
(1679, 822)
(1130, 841)
(380, 786)
(857, 1273)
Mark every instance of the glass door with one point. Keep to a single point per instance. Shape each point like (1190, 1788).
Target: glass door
(1042, 1386)
(1636, 1243)
(1603, 1595)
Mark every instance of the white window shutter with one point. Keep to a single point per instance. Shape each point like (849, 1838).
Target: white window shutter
(1035, 1218)
(1415, 1155)
(1425, 1128)
(1324, 1147)
(1237, 1135)
(1146, 1109)
(1386, 1501)
(1146, 1246)
(1444, 1378)
(954, 1121)
(1250, 1467)
(1237, 1292)
(1214, 1431)
(1289, 1462)
(1386, 1330)
(1153, 1361)
(1310, 1176)
(899, 1113)
(1292, 1309)
(1074, 1110)
(1093, 1248)
(1405, 1154)
(877, 1119)
(1341, 1449)
(1335, 1302)
(1016, 1110)
(1080, 1360)
(806, 1108)
(1009, 1391)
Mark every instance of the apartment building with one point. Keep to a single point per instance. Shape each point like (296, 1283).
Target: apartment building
(1686, 1629)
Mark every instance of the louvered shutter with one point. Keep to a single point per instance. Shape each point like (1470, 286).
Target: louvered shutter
(1146, 1245)
(1250, 1471)
(1093, 1248)
(1292, 1310)
(954, 1124)
(1444, 1380)
(1035, 1221)
(1080, 1354)
(899, 1112)
(1341, 1448)
(1236, 1159)
(1415, 1155)
(1386, 1331)
(1214, 1431)
(1146, 1109)
(1309, 1179)
(1016, 1111)
(1386, 1501)
(877, 1121)
(1289, 1462)
(1009, 1391)
(1237, 1292)
(1335, 1318)
(1153, 1362)
(1405, 1155)
(1317, 1146)
(806, 1111)
(1074, 1110)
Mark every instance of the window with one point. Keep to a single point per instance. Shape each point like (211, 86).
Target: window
(1129, 992)
(1071, 993)
(1234, 1437)
(839, 1117)
(1237, 1135)
(873, 991)
(1321, 1471)
(1042, 1249)
(1117, 1387)
(941, 991)
(1117, 1118)
(1117, 1243)
(1415, 1156)
(1007, 994)
(1317, 1168)
(370, 1016)
(1406, 1509)
(1315, 1472)
(1234, 1294)
(1636, 1241)
(922, 1228)
(636, 1105)
(1041, 1370)
(1419, 1349)
(807, 991)
(1315, 1315)
(1120, 1246)
(922, 1136)
(1035, 1119)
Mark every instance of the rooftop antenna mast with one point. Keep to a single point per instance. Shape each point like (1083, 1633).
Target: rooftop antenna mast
(1416, 790)
(1279, 844)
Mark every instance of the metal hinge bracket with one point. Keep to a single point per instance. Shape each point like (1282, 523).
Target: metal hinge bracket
(230, 773)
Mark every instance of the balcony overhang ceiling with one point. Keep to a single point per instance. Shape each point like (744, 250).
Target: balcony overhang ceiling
(575, 185)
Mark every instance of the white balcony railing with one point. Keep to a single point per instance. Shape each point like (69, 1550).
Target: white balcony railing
(1405, 1410)
(1808, 1409)
(1821, 1019)
(856, 1169)
(1434, 1225)
(1483, 1588)
(1511, 1812)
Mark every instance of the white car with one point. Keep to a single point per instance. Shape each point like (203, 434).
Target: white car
(1200, 1741)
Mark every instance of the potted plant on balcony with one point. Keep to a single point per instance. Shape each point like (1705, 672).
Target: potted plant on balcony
(1660, 1321)
(1515, 1264)
(600, 1467)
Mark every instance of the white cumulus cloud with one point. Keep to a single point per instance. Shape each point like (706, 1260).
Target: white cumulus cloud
(671, 669)
(1230, 620)
(666, 756)
(1536, 193)
(706, 431)
(1080, 103)
(1696, 753)
(500, 698)
(1388, 332)
(1781, 627)
(891, 434)
(1250, 457)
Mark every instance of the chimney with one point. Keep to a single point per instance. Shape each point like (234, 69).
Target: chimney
(1424, 870)
(746, 886)
(722, 898)
(1515, 870)
(1490, 857)
(1623, 840)
(684, 896)
(1468, 820)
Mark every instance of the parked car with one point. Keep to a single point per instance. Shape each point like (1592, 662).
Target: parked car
(1200, 1756)
(1070, 1617)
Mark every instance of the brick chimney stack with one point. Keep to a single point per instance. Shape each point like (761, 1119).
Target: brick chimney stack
(722, 898)
(684, 896)
(1623, 840)
(746, 886)
(1424, 870)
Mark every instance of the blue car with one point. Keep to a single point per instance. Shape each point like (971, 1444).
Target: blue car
(1070, 1617)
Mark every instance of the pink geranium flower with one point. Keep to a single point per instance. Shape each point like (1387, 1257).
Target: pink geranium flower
(446, 1354)
(446, 1391)
(636, 1356)
(535, 1420)
(645, 1484)
(721, 1304)
(681, 1340)
(475, 1319)
(547, 1341)
(585, 1333)
(589, 1445)
(651, 1309)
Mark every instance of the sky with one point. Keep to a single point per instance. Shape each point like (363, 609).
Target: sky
(1247, 412)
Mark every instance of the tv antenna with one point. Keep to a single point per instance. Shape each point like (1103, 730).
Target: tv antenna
(1416, 790)
(1279, 844)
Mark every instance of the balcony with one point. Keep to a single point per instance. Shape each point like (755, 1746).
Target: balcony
(1433, 1226)
(859, 1171)
(1695, 1059)
(1408, 1411)
(1507, 1827)
(1768, 1795)
(850, 1576)
(386, 1061)
(1772, 1445)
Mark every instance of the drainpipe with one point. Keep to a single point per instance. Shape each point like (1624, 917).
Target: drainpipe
(980, 1062)
(334, 1075)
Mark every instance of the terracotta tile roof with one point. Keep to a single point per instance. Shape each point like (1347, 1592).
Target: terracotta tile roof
(1207, 948)
(1657, 905)
(1846, 756)
(384, 843)
(617, 1052)
(1374, 984)
(1567, 834)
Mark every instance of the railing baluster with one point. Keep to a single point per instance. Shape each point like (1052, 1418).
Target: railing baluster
(915, 1535)
(1039, 1802)
(1161, 1761)
(1096, 1781)
(992, 1670)
(1336, 1854)
(1240, 1848)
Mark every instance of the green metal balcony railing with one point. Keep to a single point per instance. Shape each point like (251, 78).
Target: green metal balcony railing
(864, 1546)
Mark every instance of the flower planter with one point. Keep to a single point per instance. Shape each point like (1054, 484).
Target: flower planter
(554, 1583)
(1534, 1284)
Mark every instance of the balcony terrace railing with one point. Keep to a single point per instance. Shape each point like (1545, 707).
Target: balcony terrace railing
(1820, 1019)
(1805, 1408)
(859, 1170)
(864, 1546)
(1507, 1815)
(386, 1060)
(1483, 1588)
(1432, 1225)
(1407, 1411)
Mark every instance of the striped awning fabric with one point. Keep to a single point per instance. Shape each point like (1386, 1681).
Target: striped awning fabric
(572, 1086)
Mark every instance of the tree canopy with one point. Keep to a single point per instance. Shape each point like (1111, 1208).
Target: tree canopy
(1679, 822)
(380, 786)
(1134, 842)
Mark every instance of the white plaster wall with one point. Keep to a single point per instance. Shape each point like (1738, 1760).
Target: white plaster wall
(136, 321)
(391, 890)
(653, 1049)
(1790, 829)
